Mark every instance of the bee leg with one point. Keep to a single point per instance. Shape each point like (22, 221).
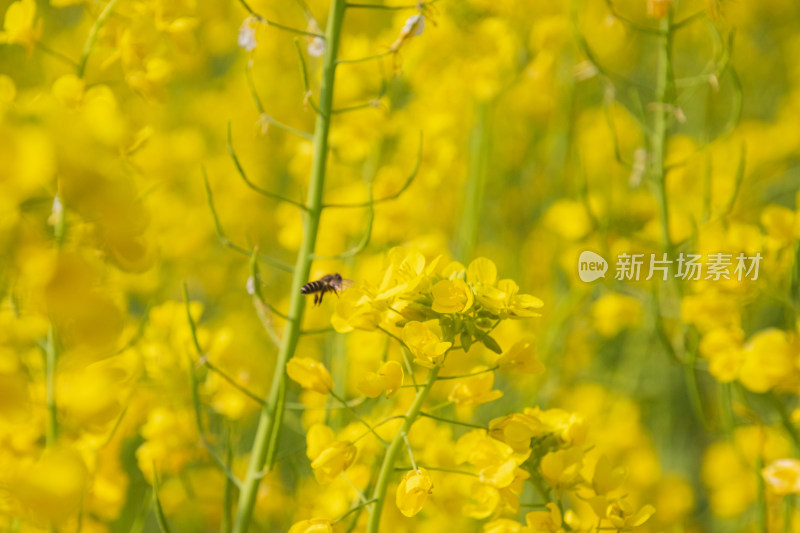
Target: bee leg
(316, 297)
(321, 294)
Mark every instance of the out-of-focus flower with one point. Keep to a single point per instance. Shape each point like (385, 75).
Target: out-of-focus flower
(767, 360)
(475, 390)
(782, 476)
(569, 219)
(723, 349)
(562, 468)
(50, 490)
(544, 521)
(502, 525)
(69, 89)
(310, 374)
(387, 379)
(314, 525)
(606, 479)
(521, 357)
(424, 339)
(354, 310)
(614, 312)
(20, 25)
(484, 501)
(675, 499)
(170, 441)
(413, 490)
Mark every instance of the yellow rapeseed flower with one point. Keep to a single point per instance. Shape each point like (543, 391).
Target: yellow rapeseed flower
(544, 521)
(516, 430)
(310, 374)
(333, 460)
(20, 25)
(413, 490)
(424, 339)
(521, 357)
(502, 525)
(452, 296)
(783, 476)
(475, 390)
(614, 312)
(315, 525)
(51, 489)
(387, 379)
(768, 360)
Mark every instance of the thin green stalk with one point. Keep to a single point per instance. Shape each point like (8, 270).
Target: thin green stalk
(437, 469)
(761, 501)
(92, 38)
(476, 181)
(358, 417)
(664, 97)
(454, 422)
(387, 467)
(725, 407)
(161, 518)
(227, 502)
(51, 357)
(266, 439)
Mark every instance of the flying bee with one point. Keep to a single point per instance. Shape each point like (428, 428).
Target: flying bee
(331, 283)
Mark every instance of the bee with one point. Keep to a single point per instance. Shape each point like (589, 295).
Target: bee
(331, 283)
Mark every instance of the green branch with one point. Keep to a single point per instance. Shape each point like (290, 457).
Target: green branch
(280, 265)
(252, 185)
(92, 38)
(267, 434)
(394, 195)
(387, 467)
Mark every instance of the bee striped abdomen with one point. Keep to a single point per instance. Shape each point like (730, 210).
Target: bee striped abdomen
(312, 287)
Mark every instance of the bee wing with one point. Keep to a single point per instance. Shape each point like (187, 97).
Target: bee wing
(345, 284)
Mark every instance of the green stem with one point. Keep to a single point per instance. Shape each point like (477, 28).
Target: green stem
(387, 467)
(51, 356)
(437, 469)
(476, 181)
(227, 500)
(92, 38)
(664, 97)
(454, 422)
(266, 439)
(761, 502)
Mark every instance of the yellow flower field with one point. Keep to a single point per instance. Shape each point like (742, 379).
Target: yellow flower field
(387, 266)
